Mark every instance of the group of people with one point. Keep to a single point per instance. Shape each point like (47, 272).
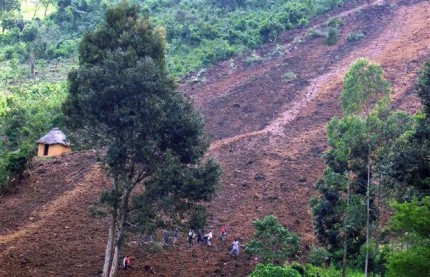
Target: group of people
(207, 239)
(192, 236)
(199, 237)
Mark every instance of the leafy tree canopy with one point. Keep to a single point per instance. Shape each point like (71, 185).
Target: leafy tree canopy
(272, 241)
(122, 98)
(412, 220)
(364, 84)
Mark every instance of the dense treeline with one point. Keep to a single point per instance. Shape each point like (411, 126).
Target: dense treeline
(198, 32)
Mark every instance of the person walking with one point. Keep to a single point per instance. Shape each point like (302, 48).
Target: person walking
(223, 232)
(235, 248)
(175, 235)
(190, 238)
(208, 238)
(199, 236)
(126, 263)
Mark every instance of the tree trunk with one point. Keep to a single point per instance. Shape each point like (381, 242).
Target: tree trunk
(111, 235)
(345, 224)
(120, 234)
(32, 65)
(367, 214)
(109, 245)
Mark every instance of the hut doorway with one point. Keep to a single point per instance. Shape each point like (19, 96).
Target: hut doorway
(46, 150)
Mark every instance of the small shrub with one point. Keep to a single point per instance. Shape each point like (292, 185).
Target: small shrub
(319, 256)
(300, 269)
(335, 22)
(289, 76)
(30, 32)
(270, 270)
(64, 48)
(272, 241)
(356, 36)
(331, 37)
(277, 51)
(254, 58)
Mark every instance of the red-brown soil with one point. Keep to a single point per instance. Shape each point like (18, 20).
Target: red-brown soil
(268, 134)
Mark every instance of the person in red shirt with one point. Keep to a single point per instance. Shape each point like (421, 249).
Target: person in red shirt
(126, 263)
(223, 232)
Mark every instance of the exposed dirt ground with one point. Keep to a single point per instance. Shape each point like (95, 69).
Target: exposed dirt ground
(268, 133)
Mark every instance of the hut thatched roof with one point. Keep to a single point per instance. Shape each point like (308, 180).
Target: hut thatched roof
(55, 136)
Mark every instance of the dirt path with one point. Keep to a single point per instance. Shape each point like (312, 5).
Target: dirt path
(52, 208)
(391, 46)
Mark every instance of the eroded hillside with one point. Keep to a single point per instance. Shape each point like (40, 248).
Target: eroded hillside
(268, 133)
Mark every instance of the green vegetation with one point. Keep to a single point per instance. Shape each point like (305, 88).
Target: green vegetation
(270, 270)
(272, 241)
(289, 76)
(412, 221)
(331, 36)
(198, 32)
(25, 115)
(297, 270)
(355, 36)
(375, 154)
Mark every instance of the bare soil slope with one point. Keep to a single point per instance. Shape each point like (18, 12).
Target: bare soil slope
(268, 134)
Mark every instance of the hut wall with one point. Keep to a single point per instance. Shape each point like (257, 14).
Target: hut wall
(53, 150)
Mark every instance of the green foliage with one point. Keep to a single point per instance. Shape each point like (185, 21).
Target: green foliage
(254, 58)
(330, 271)
(298, 270)
(289, 76)
(412, 221)
(198, 32)
(355, 36)
(329, 211)
(331, 36)
(9, 13)
(407, 163)
(335, 22)
(121, 97)
(269, 270)
(319, 256)
(378, 255)
(332, 31)
(25, 115)
(272, 241)
(364, 84)
(423, 87)
(356, 144)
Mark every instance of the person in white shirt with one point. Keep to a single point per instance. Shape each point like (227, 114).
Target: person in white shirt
(235, 247)
(208, 238)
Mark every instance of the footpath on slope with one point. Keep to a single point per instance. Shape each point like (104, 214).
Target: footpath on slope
(49, 229)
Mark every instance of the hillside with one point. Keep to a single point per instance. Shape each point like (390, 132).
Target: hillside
(268, 133)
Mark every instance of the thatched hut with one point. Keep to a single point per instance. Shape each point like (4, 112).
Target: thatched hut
(53, 144)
